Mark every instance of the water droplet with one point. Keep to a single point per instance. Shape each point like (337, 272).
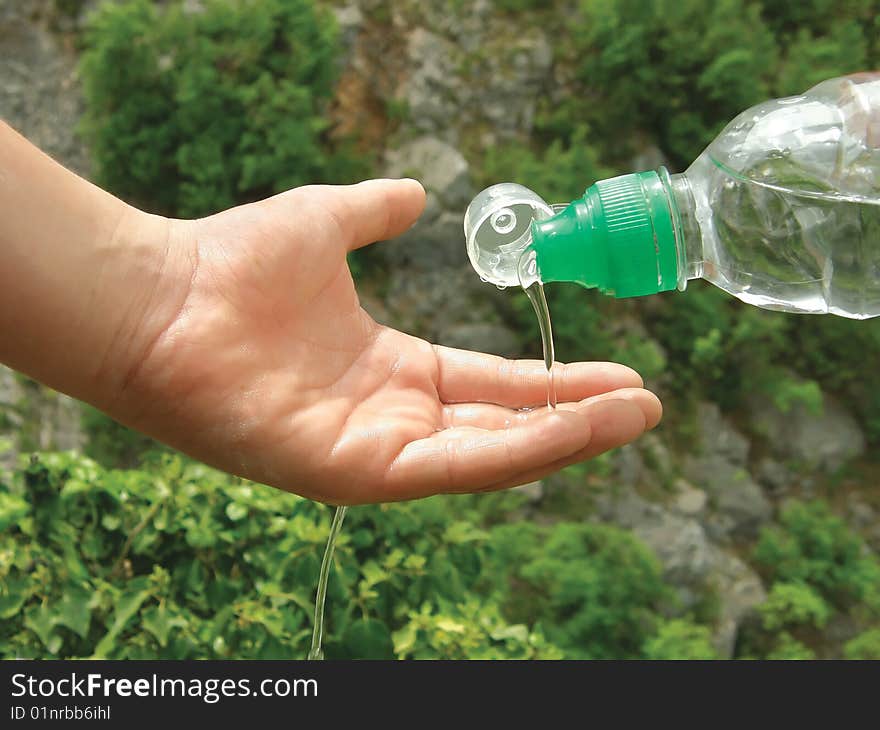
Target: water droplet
(501, 287)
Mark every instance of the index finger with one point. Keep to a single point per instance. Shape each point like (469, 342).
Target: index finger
(475, 377)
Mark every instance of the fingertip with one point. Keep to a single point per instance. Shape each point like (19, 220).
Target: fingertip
(634, 375)
(621, 416)
(653, 409)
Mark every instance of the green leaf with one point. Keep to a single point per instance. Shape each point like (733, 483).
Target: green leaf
(12, 510)
(236, 511)
(373, 574)
(517, 632)
(42, 623)
(74, 611)
(405, 640)
(368, 639)
(462, 532)
(13, 596)
(130, 602)
(159, 622)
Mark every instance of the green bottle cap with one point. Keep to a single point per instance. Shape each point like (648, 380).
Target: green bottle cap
(618, 238)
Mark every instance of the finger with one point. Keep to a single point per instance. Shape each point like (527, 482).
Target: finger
(611, 429)
(373, 210)
(466, 376)
(491, 416)
(468, 459)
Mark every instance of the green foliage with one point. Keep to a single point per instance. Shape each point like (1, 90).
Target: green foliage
(176, 560)
(192, 112)
(787, 648)
(476, 632)
(110, 443)
(864, 646)
(560, 173)
(815, 548)
(679, 639)
(596, 590)
(677, 69)
(792, 605)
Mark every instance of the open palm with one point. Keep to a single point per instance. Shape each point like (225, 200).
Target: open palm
(272, 370)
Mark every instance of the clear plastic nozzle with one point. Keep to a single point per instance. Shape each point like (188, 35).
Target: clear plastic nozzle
(498, 230)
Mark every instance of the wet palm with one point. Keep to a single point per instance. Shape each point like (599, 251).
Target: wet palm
(276, 372)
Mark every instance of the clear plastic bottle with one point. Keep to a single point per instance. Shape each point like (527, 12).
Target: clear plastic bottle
(782, 210)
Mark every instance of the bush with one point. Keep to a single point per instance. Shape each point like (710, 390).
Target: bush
(678, 639)
(180, 561)
(815, 548)
(864, 646)
(792, 605)
(176, 560)
(596, 590)
(192, 111)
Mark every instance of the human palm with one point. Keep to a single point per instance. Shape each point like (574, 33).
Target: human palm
(271, 369)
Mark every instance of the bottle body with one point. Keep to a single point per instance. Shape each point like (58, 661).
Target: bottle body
(782, 210)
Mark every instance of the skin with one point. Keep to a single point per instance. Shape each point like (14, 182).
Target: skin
(239, 340)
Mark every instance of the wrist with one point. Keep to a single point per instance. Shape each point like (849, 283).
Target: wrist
(152, 265)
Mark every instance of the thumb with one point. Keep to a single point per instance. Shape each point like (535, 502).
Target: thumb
(373, 210)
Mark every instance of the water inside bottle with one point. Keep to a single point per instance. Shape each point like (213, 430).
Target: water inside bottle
(779, 238)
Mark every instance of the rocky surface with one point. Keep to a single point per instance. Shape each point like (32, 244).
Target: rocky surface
(39, 92)
(823, 441)
(691, 561)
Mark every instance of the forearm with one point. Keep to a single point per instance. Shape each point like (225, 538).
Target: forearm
(84, 278)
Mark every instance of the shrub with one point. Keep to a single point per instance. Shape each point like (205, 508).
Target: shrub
(596, 590)
(179, 561)
(791, 605)
(679, 639)
(192, 111)
(864, 646)
(815, 548)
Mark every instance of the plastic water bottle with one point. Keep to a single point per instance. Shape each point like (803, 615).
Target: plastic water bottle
(782, 210)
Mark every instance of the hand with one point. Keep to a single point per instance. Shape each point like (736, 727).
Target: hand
(269, 368)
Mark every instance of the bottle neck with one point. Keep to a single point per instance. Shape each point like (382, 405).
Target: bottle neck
(688, 238)
(619, 238)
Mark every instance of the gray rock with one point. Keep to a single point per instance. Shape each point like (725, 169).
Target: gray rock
(39, 91)
(689, 501)
(11, 391)
(739, 591)
(718, 437)
(439, 166)
(349, 19)
(437, 240)
(773, 475)
(823, 442)
(32, 415)
(691, 562)
(657, 457)
(444, 304)
(739, 507)
(628, 465)
(429, 89)
(862, 515)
